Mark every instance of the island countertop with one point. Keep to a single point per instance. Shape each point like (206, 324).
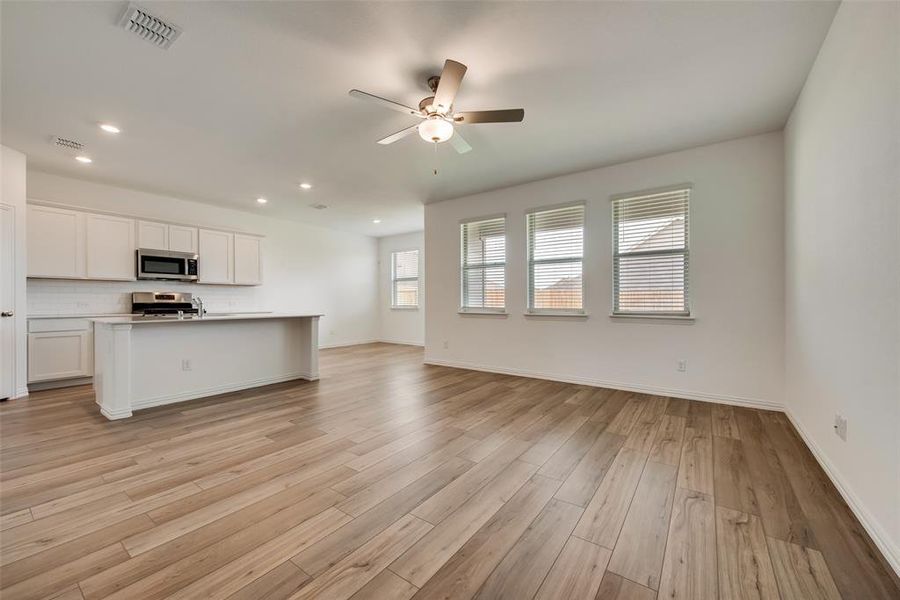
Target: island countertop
(156, 319)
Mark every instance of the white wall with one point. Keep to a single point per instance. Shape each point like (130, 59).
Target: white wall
(401, 326)
(305, 268)
(733, 349)
(843, 262)
(12, 181)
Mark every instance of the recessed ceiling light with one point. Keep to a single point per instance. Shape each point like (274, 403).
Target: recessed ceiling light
(109, 128)
(306, 186)
(376, 221)
(261, 200)
(83, 159)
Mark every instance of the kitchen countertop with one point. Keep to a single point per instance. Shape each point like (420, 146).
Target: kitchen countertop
(77, 316)
(141, 320)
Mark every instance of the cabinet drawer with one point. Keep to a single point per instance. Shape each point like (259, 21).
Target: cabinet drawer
(64, 324)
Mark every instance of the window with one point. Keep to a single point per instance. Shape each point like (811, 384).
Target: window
(405, 279)
(483, 271)
(650, 254)
(555, 251)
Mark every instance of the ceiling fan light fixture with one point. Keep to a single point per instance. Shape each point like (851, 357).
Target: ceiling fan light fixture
(435, 129)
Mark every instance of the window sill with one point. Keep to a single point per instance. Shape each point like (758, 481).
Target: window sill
(565, 315)
(680, 319)
(482, 313)
(404, 308)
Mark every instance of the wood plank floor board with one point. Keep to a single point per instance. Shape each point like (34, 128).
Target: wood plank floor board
(616, 587)
(468, 569)
(278, 584)
(802, 573)
(638, 553)
(782, 515)
(695, 470)
(424, 559)
(585, 478)
(605, 513)
(361, 566)
(523, 569)
(667, 442)
(469, 484)
(745, 568)
(689, 569)
(732, 482)
(577, 572)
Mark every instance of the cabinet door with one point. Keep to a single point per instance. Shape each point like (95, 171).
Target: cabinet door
(59, 355)
(182, 239)
(110, 247)
(216, 256)
(55, 242)
(153, 236)
(247, 259)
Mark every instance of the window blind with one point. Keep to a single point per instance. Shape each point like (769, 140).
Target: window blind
(555, 252)
(650, 254)
(483, 271)
(405, 279)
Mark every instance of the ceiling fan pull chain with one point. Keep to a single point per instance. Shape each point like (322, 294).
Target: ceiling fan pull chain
(435, 157)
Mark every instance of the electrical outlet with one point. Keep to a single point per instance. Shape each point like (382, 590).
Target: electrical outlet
(446, 344)
(682, 366)
(840, 426)
(186, 365)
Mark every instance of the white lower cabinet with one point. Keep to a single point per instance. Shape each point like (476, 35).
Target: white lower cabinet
(60, 349)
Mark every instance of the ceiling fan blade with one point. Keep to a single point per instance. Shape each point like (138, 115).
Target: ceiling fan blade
(509, 115)
(459, 144)
(398, 135)
(386, 103)
(451, 78)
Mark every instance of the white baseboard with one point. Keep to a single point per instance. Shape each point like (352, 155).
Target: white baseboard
(21, 392)
(215, 390)
(402, 342)
(617, 385)
(345, 344)
(889, 549)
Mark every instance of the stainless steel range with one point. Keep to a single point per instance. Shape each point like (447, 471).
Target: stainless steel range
(163, 304)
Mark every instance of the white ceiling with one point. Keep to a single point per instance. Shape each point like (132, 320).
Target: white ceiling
(252, 99)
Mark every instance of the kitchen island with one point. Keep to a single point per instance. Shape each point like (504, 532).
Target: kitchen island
(140, 362)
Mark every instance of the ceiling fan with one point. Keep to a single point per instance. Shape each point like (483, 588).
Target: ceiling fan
(436, 111)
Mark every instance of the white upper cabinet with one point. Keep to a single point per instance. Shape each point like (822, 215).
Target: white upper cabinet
(163, 236)
(56, 240)
(247, 259)
(182, 239)
(216, 254)
(110, 247)
(153, 236)
(73, 244)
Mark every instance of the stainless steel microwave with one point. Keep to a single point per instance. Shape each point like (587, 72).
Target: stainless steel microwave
(166, 265)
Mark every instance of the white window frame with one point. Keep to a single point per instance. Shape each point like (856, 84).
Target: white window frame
(530, 263)
(463, 309)
(395, 279)
(688, 313)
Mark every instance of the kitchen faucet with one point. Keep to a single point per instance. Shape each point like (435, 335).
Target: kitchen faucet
(199, 303)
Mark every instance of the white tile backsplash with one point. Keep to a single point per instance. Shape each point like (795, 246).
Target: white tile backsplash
(74, 297)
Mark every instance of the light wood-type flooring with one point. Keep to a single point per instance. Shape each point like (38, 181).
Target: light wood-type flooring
(389, 479)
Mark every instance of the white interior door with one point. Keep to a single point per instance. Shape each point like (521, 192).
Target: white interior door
(7, 301)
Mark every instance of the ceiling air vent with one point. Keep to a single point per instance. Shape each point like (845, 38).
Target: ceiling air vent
(319, 206)
(69, 144)
(149, 27)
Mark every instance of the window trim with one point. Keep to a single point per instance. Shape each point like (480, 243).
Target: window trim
(481, 310)
(659, 315)
(555, 312)
(395, 279)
